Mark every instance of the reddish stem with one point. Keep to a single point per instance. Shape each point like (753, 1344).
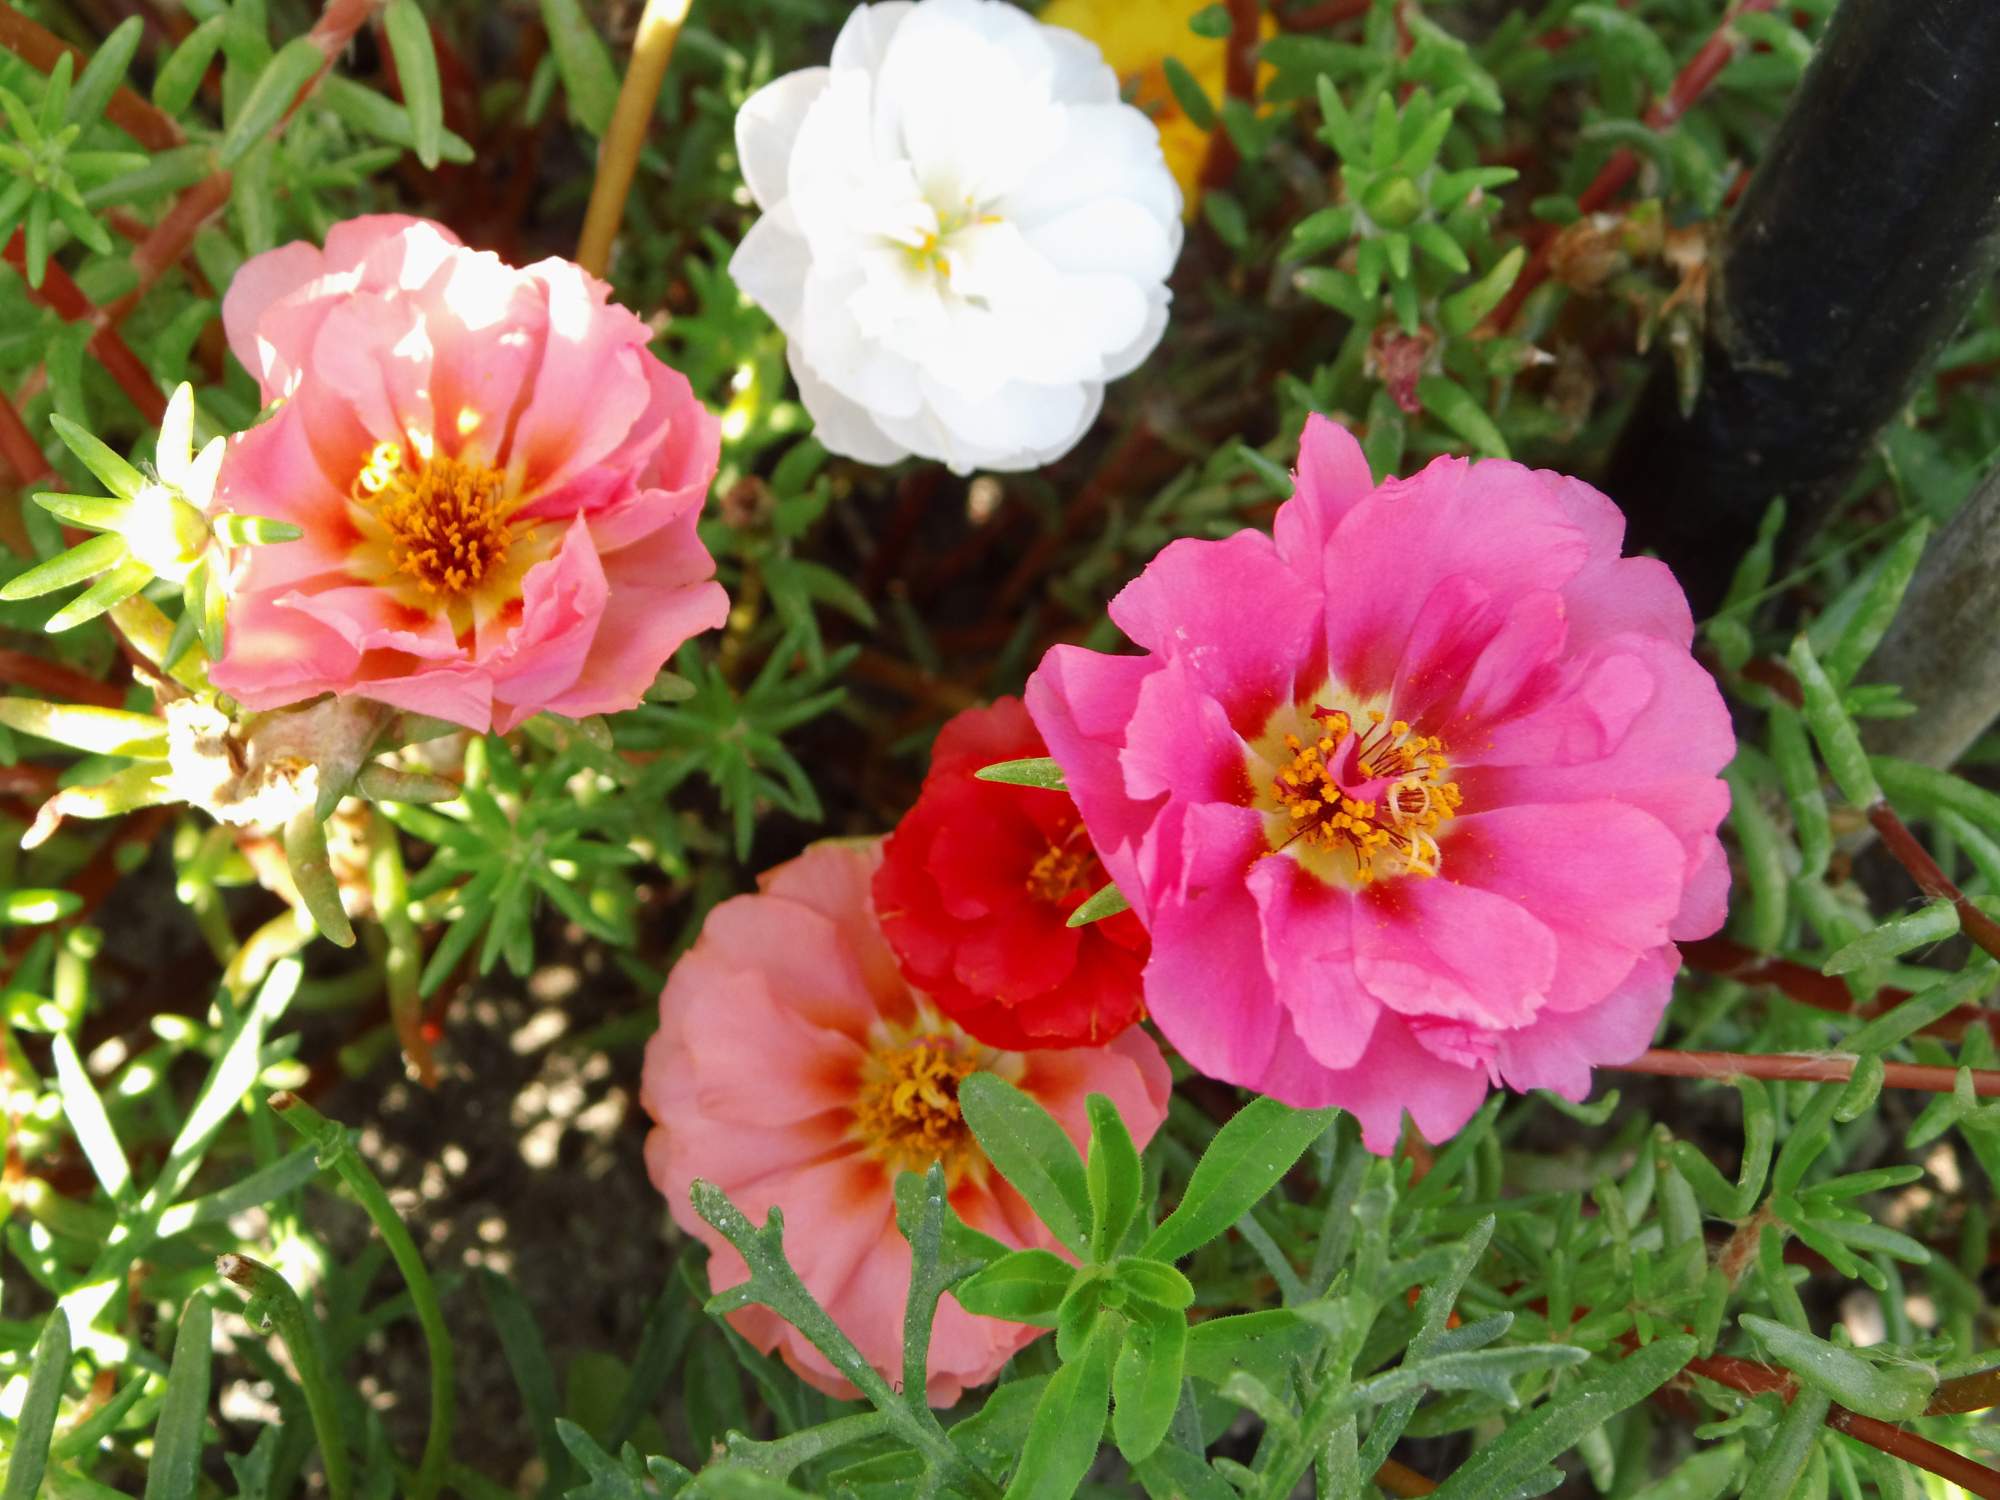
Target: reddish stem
(1328, 13)
(1808, 986)
(19, 669)
(1402, 1481)
(1898, 1442)
(66, 297)
(1967, 1393)
(1671, 1062)
(42, 49)
(1755, 1380)
(1240, 78)
(1688, 86)
(1930, 879)
(170, 239)
(18, 446)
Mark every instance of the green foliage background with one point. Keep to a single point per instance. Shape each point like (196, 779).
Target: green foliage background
(1564, 1296)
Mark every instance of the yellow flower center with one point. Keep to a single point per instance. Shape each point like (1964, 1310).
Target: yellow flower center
(906, 1110)
(1374, 798)
(1067, 866)
(447, 521)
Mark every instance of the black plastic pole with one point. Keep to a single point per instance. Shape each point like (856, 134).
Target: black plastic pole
(1867, 230)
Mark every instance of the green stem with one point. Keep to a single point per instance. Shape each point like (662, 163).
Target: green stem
(329, 1139)
(272, 1295)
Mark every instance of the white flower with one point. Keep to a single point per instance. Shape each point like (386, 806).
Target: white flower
(965, 233)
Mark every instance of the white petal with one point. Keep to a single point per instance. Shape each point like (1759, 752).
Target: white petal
(866, 36)
(1107, 151)
(974, 118)
(863, 369)
(1115, 235)
(832, 166)
(770, 267)
(1124, 361)
(1018, 421)
(1081, 76)
(767, 127)
(842, 426)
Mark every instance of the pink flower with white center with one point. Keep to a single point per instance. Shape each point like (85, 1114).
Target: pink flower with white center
(795, 1068)
(1414, 796)
(498, 484)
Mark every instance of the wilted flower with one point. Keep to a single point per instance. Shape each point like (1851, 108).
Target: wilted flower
(1413, 797)
(794, 1067)
(976, 888)
(498, 484)
(965, 233)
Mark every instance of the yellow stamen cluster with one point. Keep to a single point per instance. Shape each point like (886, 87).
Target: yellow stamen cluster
(928, 252)
(1067, 866)
(907, 1108)
(1397, 827)
(929, 255)
(448, 520)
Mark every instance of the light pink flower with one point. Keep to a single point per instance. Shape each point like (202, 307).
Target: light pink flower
(498, 484)
(795, 1067)
(1414, 796)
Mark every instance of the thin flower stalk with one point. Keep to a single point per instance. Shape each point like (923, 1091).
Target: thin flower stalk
(1931, 879)
(618, 158)
(1670, 1062)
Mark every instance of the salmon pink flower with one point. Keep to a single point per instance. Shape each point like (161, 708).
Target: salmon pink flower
(976, 888)
(497, 482)
(794, 1067)
(1414, 797)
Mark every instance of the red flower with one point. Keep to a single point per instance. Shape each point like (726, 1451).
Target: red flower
(976, 888)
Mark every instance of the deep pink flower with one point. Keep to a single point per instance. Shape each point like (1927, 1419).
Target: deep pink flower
(1414, 796)
(976, 888)
(795, 1067)
(498, 484)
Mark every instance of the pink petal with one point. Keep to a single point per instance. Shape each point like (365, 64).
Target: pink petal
(271, 471)
(388, 249)
(591, 386)
(1081, 702)
(368, 619)
(1208, 984)
(461, 694)
(1438, 948)
(1309, 948)
(660, 593)
(374, 355)
(1398, 1074)
(486, 324)
(274, 655)
(1180, 742)
(770, 1066)
(1604, 877)
(835, 880)
(1492, 523)
(1242, 622)
(562, 606)
(1558, 1051)
(1331, 479)
(258, 283)
(801, 954)
(1129, 1071)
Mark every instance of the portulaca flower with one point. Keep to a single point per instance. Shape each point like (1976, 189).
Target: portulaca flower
(965, 234)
